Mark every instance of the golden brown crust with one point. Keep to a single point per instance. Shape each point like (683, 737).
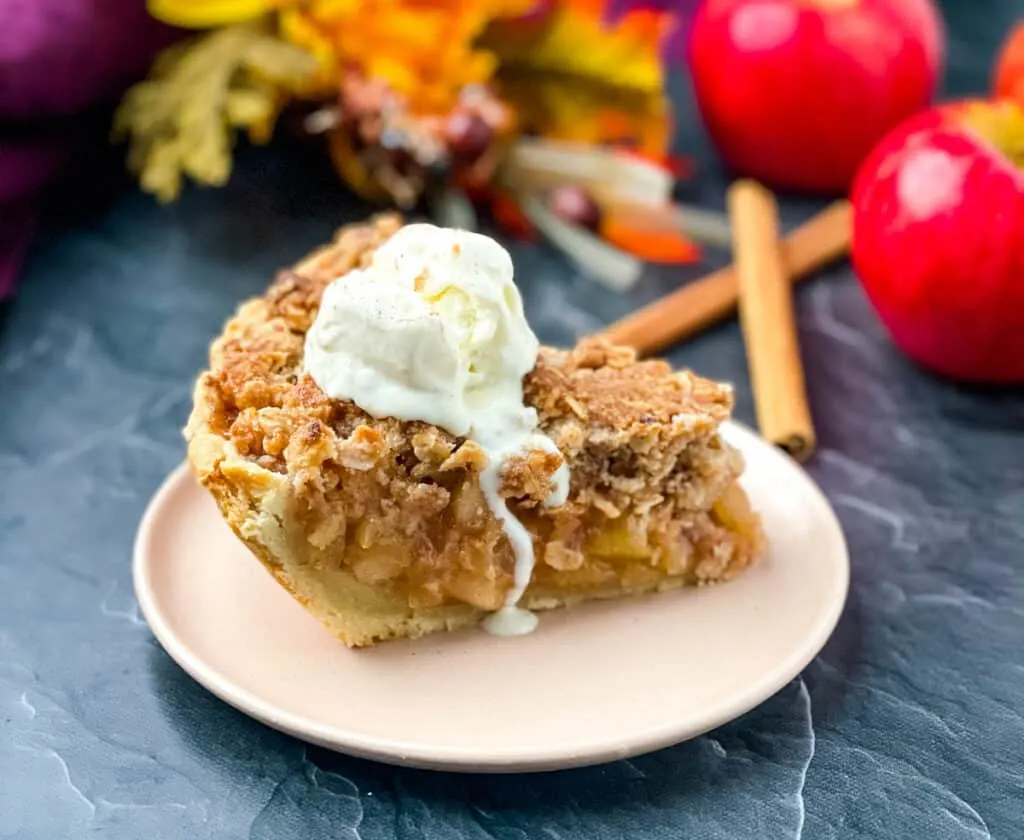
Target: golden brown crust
(379, 526)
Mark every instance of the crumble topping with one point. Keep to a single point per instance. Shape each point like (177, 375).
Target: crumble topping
(593, 399)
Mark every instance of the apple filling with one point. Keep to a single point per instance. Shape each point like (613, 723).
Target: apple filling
(637, 549)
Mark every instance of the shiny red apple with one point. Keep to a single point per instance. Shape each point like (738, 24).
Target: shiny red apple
(938, 238)
(797, 92)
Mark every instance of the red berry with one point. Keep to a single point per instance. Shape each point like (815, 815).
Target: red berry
(467, 135)
(575, 205)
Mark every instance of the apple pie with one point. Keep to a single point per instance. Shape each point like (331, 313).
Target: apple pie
(379, 526)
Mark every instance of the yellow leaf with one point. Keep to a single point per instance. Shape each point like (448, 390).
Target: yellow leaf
(246, 107)
(583, 110)
(425, 50)
(204, 14)
(299, 29)
(181, 120)
(575, 40)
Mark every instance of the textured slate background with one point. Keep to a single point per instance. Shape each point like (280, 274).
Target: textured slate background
(909, 724)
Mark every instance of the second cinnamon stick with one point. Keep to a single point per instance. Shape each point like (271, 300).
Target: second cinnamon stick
(697, 305)
(768, 321)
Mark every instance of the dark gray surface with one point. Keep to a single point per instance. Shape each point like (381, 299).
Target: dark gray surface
(910, 724)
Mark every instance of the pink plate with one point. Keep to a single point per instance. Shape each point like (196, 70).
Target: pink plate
(596, 683)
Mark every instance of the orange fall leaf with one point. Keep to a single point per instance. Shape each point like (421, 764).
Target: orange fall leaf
(677, 166)
(657, 246)
(1009, 75)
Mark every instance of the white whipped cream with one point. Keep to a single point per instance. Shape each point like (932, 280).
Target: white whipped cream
(434, 330)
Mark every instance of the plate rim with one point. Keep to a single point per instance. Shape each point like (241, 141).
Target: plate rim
(458, 759)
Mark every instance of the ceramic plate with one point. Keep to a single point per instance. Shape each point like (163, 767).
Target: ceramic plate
(596, 683)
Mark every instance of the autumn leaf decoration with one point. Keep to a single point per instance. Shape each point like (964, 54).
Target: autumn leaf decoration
(499, 101)
(181, 121)
(575, 77)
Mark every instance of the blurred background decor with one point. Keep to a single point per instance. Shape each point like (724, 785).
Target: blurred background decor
(57, 58)
(553, 119)
(446, 106)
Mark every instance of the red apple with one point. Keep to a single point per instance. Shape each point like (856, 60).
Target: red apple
(797, 92)
(938, 238)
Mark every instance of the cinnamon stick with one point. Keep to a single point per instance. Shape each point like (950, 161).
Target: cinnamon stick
(699, 304)
(768, 320)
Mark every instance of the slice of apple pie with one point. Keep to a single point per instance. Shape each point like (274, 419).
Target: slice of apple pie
(382, 434)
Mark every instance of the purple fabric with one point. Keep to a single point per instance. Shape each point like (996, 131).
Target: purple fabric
(17, 224)
(60, 56)
(26, 165)
(57, 57)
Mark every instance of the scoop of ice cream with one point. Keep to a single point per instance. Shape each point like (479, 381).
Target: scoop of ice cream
(432, 330)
